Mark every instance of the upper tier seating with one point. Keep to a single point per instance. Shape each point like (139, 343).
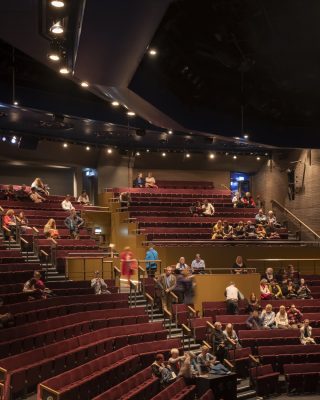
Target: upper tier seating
(185, 184)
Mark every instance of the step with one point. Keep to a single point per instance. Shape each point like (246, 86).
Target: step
(249, 394)
(243, 388)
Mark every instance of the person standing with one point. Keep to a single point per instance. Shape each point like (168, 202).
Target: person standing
(167, 283)
(128, 263)
(233, 296)
(187, 284)
(151, 255)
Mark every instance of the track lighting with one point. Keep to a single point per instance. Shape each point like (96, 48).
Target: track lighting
(115, 103)
(131, 113)
(84, 84)
(57, 28)
(64, 70)
(57, 3)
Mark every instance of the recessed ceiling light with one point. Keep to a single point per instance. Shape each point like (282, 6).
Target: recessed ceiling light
(84, 84)
(227, 153)
(188, 155)
(15, 103)
(13, 140)
(88, 148)
(109, 151)
(153, 52)
(147, 150)
(57, 3)
(131, 113)
(234, 157)
(246, 136)
(57, 28)
(137, 153)
(163, 154)
(64, 70)
(211, 156)
(54, 56)
(170, 132)
(65, 145)
(4, 138)
(115, 103)
(258, 158)
(266, 154)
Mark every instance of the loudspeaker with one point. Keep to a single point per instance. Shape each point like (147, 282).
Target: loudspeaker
(28, 143)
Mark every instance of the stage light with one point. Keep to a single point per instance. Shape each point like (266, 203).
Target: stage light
(188, 155)
(131, 113)
(211, 156)
(137, 154)
(153, 52)
(147, 150)
(15, 103)
(4, 138)
(258, 158)
(170, 132)
(57, 3)
(84, 84)
(163, 154)
(57, 28)
(227, 153)
(65, 145)
(234, 157)
(13, 140)
(115, 103)
(109, 151)
(54, 56)
(64, 70)
(88, 148)
(246, 136)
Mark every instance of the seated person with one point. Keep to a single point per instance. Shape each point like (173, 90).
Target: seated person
(282, 321)
(253, 303)
(269, 317)
(219, 342)
(35, 196)
(66, 203)
(271, 218)
(232, 340)
(236, 199)
(84, 198)
(139, 182)
(217, 230)
(227, 231)
(255, 321)
(73, 222)
(162, 371)
(150, 181)
(261, 218)
(271, 231)
(306, 333)
(293, 274)
(260, 232)
(23, 222)
(247, 200)
(50, 229)
(40, 187)
(295, 317)
(175, 361)
(291, 290)
(22, 193)
(265, 293)
(6, 320)
(268, 275)
(189, 367)
(181, 265)
(196, 208)
(9, 222)
(209, 363)
(198, 265)
(125, 199)
(239, 266)
(207, 209)
(10, 193)
(303, 291)
(250, 231)
(239, 231)
(275, 290)
(99, 285)
(33, 288)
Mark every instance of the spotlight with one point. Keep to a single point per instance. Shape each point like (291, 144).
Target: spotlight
(131, 113)
(14, 140)
(4, 138)
(64, 70)
(211, 156)
(84, 84)
(15, 103)
(227, 153)
(234, 157)
(153, 52)
(266, 154)
(55, 51)
(65, 145)
(115, 103)
(147, 150)
(137, 154)
(88, 148)
(258, 158)
(170, 132)
(54, 56)
(246, 136)
(188, 155)
(57, 4)
(109, 151)
(163, 154)
(57, 28)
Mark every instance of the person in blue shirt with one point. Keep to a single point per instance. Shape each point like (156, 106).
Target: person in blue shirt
(151, 255)
(139, 182)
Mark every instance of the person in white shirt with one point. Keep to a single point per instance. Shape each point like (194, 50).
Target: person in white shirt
(198, 265)
(99, 285)
(66, 204)
(207, 208)
(269, 317)
(282, 321)
(150, 181)
(181, 265)
(232, 295)
(84, 198)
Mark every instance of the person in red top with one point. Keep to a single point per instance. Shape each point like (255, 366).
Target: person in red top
(9, 221)
(128, 263)
(247, 200)
(295, 317)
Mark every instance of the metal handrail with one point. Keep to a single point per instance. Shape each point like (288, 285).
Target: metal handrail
(150, 300)
(133, 287)
(167, 313)
(230, 270)
(186, 331)
(296, 218)
(27, 244)
(46, 255)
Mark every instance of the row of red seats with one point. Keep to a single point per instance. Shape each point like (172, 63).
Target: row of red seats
(24, 371)
(185, 184)
(204, 193)
(302, 380)
(177, 390)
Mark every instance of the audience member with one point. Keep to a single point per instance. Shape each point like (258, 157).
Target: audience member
(261, 218)
(40, 187)
(218, 340)
(162, 371)
(292, 273)
(291, 290)
(239, 231)
(198, 265)
(232, 340)
(125, 199)
(151, 256)
(6, 320)
(271, 219)
(167, 283)
(295, 317)
(233, 296)
(255, 321)
(189, 367)
(250, 230)
(303, 291)
(9, 222)
(187, 284)
(271, 231)
(22, 193)
(196, 208)
(306, 333)
(239, 267)
(84, 198)
(275, 290)
(66, 203)
(35, 196)
(73, 222)
(236, 200)
(175, 361)
(23, 222)
(261, 232)
(207, 363)
(269, 317)
(227, 231)
(139, 182)
(265, 293)
(217, 232)
(181, 265)
(50, 229)
(282, 321)
(207, 208)
(268, 275)
(128, 263)
(99, 285)
(150, 181)
(247, 200)
(253, 303)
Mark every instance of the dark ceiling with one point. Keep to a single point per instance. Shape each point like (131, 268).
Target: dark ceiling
(224, 67)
